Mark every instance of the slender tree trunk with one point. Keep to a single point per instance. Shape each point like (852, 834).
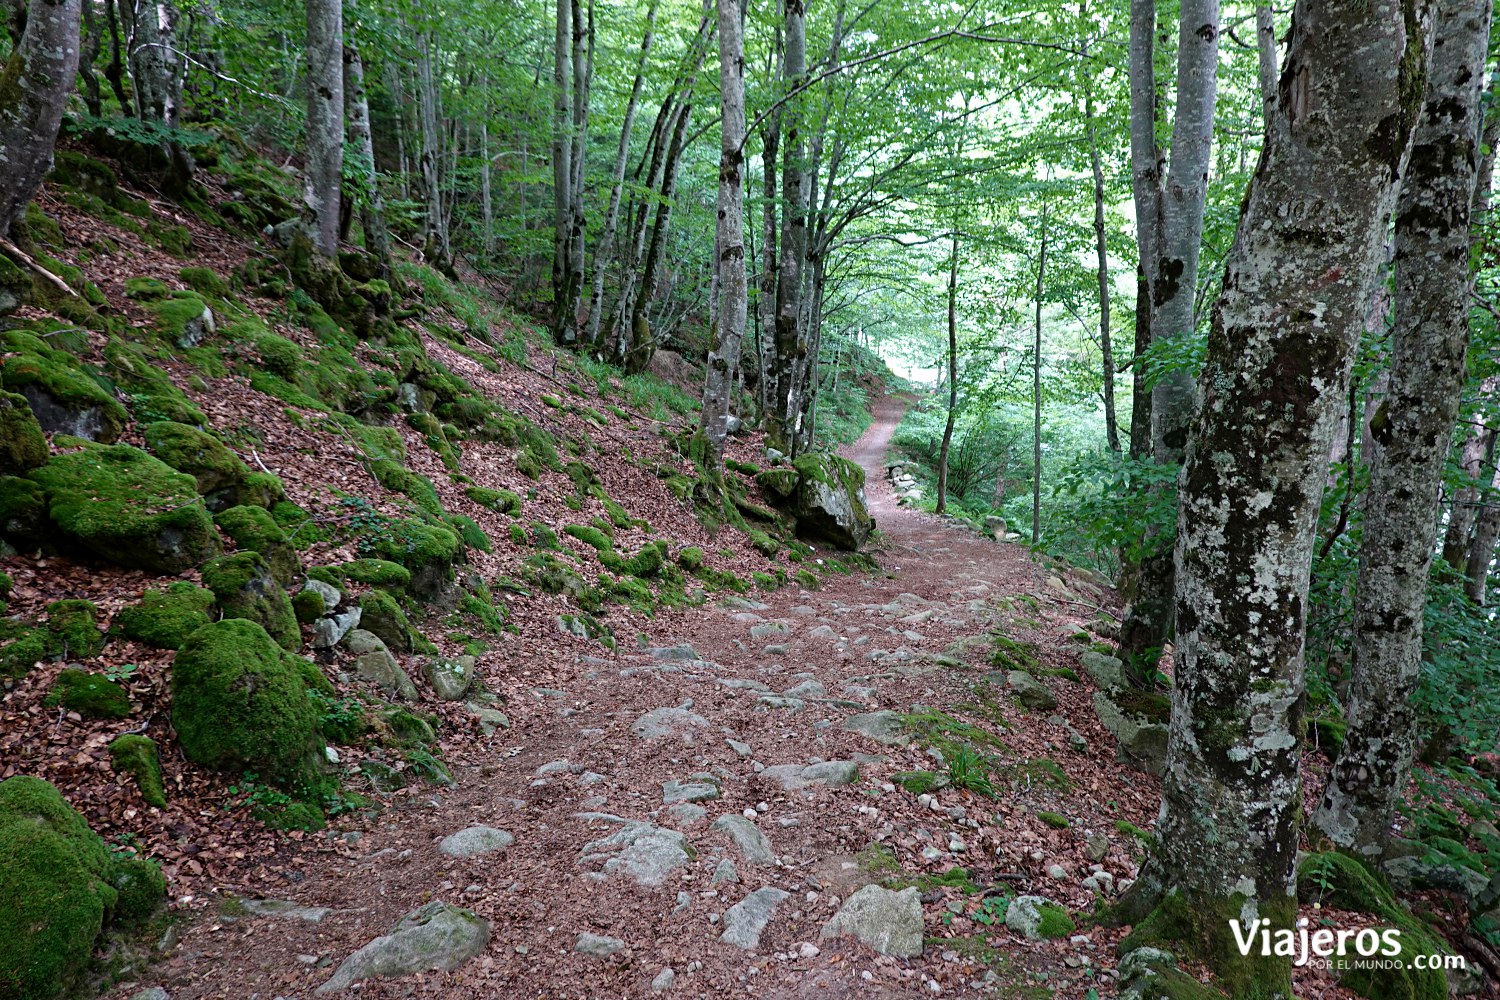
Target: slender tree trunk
(569, 307)
(93, 43)
(1106, 348)
(369, 199)
(1270, 71)
(603, 253)
(770, 256)
(1036, 390)
(325, 120)
(1482, 550)
(115, 71)
(1284, 332)
(724, 359)
(642, 341)
(562, 170)
(34, 87)
(1148, 623)
(435, 226)
(791, 346)
(1146, 177)
(1412, 431)
(942, 483)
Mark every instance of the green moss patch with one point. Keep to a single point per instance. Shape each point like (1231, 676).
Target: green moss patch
(22, 444)
(93, 696)
(253, 529)
(137, 756)
(376, 573)
(72, 628)
(215, 469)
(64, 397)
(500, 501)
(121, 504)
(165, 618)
(244, 587)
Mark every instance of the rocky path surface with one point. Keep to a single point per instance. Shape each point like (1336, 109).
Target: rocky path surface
(700, 816)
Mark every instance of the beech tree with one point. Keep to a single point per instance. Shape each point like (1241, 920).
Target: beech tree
(1283, 333)
(34, 87)
(325, 120)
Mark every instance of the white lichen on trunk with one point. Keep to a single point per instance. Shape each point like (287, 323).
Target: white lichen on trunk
(325, 120)
(34, 86)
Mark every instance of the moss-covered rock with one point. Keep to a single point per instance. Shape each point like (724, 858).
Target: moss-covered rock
(149, 390)
(254, 529)
(217, 471)
(691, 558)
(779, 484)
(244, 587)
(165, 618)
(429, 551)
(64, 398)
(73, 630)
(137, 756)
(205, 281)
(377, 573)
(93, 696)
(23, 650)
(500, 501)
(383, 617)
(830, 500)
(240, 703)
(121, 504)
(22, 445)
(140, 889)
(54, 879)
(23, 512)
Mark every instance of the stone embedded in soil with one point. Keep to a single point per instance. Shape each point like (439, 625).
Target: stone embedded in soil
(748, 839)
(743, 749)
(1025, 916)
(474, 841)
(1033, 694)
(663, 981)
(437, 936)
(888, 921)
(743, 684)
(675, 791)
(284, 908)
(373, 662)
(682, 651)
(661, 722)
(597, 945)
(641, 851)
(745, 920)
(724, 871)
(770, 630)
(735, 603)
(831, 773)
(489, 719)
(330, 630)
(1107, 671)
(686, 813)
(883, 726)
(450, 678)
(807, 689)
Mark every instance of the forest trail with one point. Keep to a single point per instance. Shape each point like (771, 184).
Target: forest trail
(625, 782)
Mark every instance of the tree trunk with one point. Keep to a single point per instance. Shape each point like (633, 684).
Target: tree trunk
(434, 225)
(1482, 550)
(115, 71)
(1411, 432)
(1148, 623)
(724, 359)
(642, 342)
(770, 255)
(1284, 332)
(93, 44)
(34, 87)
(562, 169)
(942, 483)
(790, 343)
(369, 199)
(325, 120)
(604, 252)
(1036, 391)
(1106, 348)
(1146, 173)
(1270, 71)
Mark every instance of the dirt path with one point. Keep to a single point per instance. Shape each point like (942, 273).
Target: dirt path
(744, 706)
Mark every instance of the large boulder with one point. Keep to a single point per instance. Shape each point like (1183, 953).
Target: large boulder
(241, 703)
(244, 587)
(64, 398)
(829, 503)
(125, 506)
(218, 472)
(165, 618)
(888, 921)
(60, 886)
(1139, 721)
(23, 513)
(437, 936)
(253, 528)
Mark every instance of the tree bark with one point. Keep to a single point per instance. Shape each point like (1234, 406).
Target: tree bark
(93, 43)
(1482, 549)
(1036, 391)
(368, 197)
(790, 342)
(1106, 348)
(1269, 69)
(724, 359)
(1146, 174)
(942, 483)
(34, 87)
(1148, 623)
(604, 251)
(436, 247)
(1411, 432)
(1283, 336)
(325, 120)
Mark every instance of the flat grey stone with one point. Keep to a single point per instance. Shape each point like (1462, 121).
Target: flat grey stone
(724, 871)
(152, 993)
(682, 651)
(664, 981)
(883, 726)
(330, 630)
(745, 920)
(490, 719)
(890, 922)
(597, 945)
(1107, 671)
(1025, 916)
(743, 684)
(661, 722)
(1034, 695)
(832, 773)
(640, 851)
(743, 749)
(327, 591)
(437, 936)
(450, 678)
(688, 791)
(686, 813)
(770, 630)
(807, 689)
(285, 908)
(474, 841)
(748, 839)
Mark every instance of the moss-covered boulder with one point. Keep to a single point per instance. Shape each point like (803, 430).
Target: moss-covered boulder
(93, 696)
(429, 551)
(22, 445)
(121, 504)
(217, 471)
(64, 398)
(383, 617)
(376, 573)
(55, 884)
(73, 625)
(23, 513)
(244, 587)
(254, 529)
(240, 703)
(830, 501)
(779, 484)
(137, 756)
(165, 618)
(150, 391)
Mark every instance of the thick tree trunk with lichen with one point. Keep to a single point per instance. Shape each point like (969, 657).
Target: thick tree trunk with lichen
(325, 120)
(790, 334)
(724, 359)
(1411, 432)
(1280, 350)
(34, 86)
(1174, 285)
